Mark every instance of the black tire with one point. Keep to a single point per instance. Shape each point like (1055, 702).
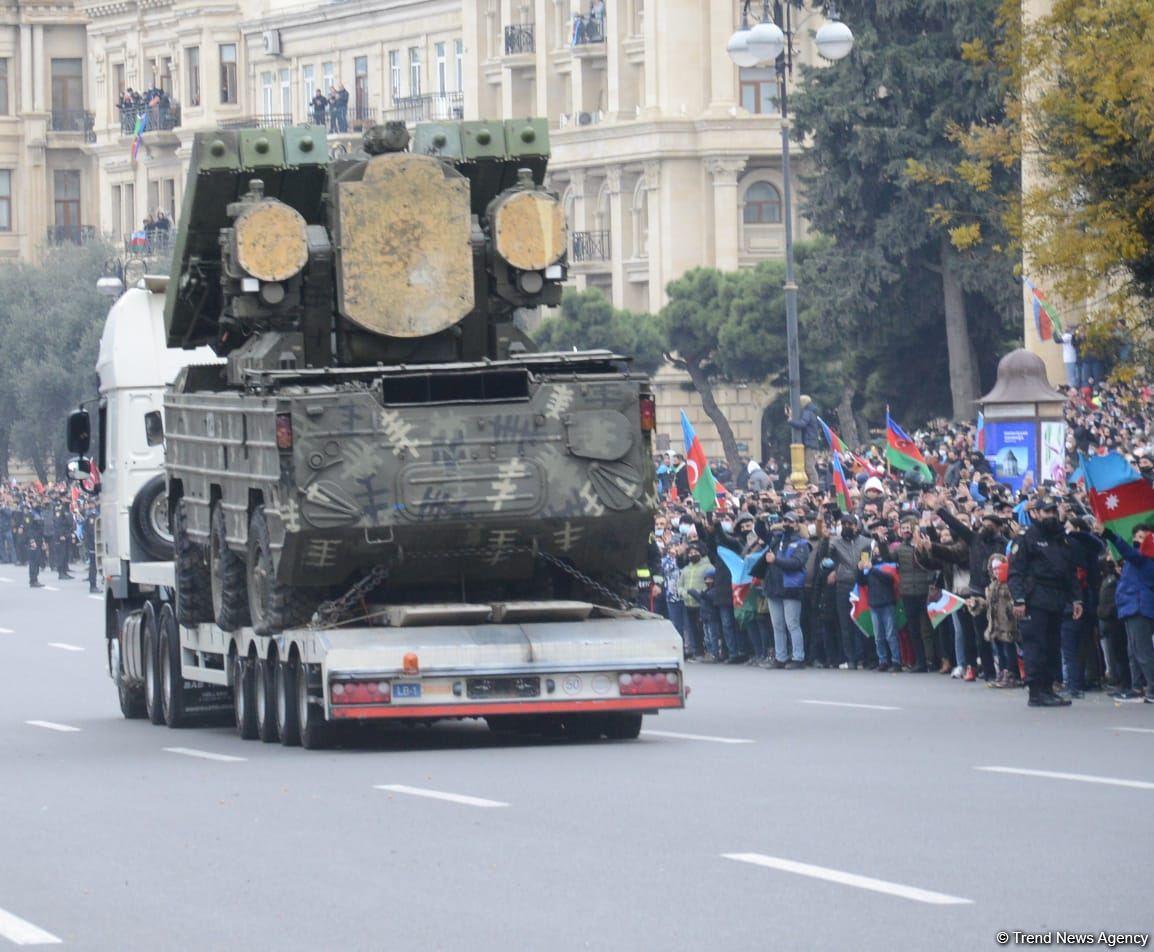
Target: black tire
(264, 694)
(273, 606)
(171, 679)
(226, 572)
(193, 589)
(149, 520)
(150, 647)
(288, 723)
(243, 703)
(586, 726)
(623, 726)
(315, 731)
(131, 698)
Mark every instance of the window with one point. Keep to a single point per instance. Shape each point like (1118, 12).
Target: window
(67, 85)
(130, 222)
(266, 92)
(192, 63)
(166, 75)
(442, 69)
(117, 210)
(762, 205)
(286, 94)
(327, 77)
(361, 88)
(309, 79)
(395, 74)
(4, 86)
(5, 199)
(153, 197)
(414, 71)
(228, 73)
(66, 201)
(459, 54)
(118, 85)
(168, 197)
(758, 90)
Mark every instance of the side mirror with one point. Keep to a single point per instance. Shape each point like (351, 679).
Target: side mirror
(153, 428)
(79, 432)
(79, 469)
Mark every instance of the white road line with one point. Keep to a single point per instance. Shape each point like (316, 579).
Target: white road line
(1128, 730)
(98, 598)
(849, 879)
(5, 580)
(49, 588)
(63, 646)
(205, 754)
(53, 726)
(6, 631)
(867, 707)
(1081, 778)
(23, 932)
(439, 795)
(714, 740)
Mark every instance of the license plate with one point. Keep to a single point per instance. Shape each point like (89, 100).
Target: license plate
(406, 690)
(503, 687)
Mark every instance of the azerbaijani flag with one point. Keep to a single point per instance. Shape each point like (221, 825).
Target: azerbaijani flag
(1045, 317)
(980, 434)
(138, 133)
(1119, 496)
(859, 603)
(835, 442)
(702, 485)
(741, 571)
(901, 452)
(839, 485)
(946, 604)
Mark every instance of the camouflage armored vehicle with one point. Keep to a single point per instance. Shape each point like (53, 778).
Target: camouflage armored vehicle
(381, 427)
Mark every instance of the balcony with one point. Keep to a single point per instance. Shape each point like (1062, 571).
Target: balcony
(588, 30)
(74, 120)
(519, 39)
(431, 106)
(589, 246)
(71, 234)
(268, 120)
(156, 118)
(149, 244)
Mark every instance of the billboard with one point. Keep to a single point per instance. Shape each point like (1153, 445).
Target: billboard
(1053, 452)
(1011, 449)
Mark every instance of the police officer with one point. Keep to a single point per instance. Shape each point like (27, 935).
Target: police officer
(36, 546)
(90, 546)
(1043, 580)
(63, 527)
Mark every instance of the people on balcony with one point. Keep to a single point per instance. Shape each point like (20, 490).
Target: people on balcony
(154, 103)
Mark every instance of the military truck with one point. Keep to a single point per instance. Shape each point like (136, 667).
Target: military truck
(383, 502)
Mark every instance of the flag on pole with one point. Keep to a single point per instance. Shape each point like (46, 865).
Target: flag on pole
(1119, 496)
(841, 490)
(835, 442)
(945, 605)
(980, 434)
(1046, 319)
(741, 572)
(697, 464)
(138, 133)
(705, 490)
(901, 452)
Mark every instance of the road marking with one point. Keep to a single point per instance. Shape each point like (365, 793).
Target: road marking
(49, 588)
(98, 598)
(867, 707)
(205, 754)
(6, 631)
(1128, 730)
(6, 580)
(53, 726)
(714, 740)
(439, 795)
(849, 879)
(64, 647)
(23, 932)
(1081, 778)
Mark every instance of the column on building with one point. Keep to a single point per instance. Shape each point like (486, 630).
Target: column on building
(655, 253)
(613, 176)
(722, 73)
(615, 14)
(726, 232)
(651, 108)
(38, 100)
(26, 67)
(580, 222)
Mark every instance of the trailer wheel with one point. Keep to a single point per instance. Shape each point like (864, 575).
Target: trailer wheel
(131, 698)
(586, 726)
(149, 520)
(226, 575)
(287, 711)
(623, 726)
(273, 606)
(316, 733)
(150, 646)
(242, 698)
(171, 678)
(265, 696)
(193, 595)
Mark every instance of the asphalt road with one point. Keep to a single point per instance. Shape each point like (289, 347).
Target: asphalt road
(764, 816)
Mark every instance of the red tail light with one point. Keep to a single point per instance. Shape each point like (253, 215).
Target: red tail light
(648, 682)
(648, 413)
(360, 692)
(284, 431)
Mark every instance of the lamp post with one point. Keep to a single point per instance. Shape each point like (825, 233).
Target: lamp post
(767, 42)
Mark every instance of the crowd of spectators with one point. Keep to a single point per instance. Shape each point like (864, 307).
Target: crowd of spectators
(331, 110)
(904, 542)
(48, 528)
(154, 104)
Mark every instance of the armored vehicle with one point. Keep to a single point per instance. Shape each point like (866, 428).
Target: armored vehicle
(382, 431)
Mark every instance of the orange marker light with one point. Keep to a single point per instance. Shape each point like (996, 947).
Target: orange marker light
(411, 664)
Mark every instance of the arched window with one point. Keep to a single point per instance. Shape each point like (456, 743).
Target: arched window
(762, 205)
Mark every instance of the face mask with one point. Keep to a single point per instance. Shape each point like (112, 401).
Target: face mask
(1051, 524)
(695, 557)
(989, 533)
(848, 532)
(726, 526)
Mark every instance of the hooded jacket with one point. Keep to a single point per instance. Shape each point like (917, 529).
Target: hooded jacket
(1135, 592)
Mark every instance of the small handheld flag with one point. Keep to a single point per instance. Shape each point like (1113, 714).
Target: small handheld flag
(902, 454)
(945, 605)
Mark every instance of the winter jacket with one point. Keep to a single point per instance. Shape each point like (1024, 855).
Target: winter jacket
(915, 575)
(847, 554)
(881, 587)
(1003, 626)
(693, 578)
(980, 549)
(806, 429)
(1135, 592)
(724, 579)
(785, 577)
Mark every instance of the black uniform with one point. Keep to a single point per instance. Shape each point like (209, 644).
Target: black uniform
(34, 540)
(1043, 578)
(62, 525)
(90, 547)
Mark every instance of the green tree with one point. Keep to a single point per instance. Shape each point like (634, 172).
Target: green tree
(51, 319)
(886, 125)
(588, 321)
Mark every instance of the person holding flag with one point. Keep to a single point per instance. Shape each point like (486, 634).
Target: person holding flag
(903, 455)
(1134, 598)
(881, 582)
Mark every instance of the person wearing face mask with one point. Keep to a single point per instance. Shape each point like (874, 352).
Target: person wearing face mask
(693, 578)
(846, 549)
(915, 583)
(786, 556)
(1043, 579)
(722, 535)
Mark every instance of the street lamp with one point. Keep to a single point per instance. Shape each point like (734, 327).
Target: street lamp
(763, 43)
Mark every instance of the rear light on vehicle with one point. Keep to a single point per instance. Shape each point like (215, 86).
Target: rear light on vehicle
(648, 413)
(284, 431)
(410, 664)
(632, 683)
(360, 692)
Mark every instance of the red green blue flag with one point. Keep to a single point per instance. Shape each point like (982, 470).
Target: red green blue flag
(1046, 319)
(702, 485)
(945, 605)
(1119, 496)
(841, 490)
(902, 454)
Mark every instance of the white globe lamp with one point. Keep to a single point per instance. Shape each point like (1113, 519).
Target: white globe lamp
(834, 40)
(766, 42)
(738, 49)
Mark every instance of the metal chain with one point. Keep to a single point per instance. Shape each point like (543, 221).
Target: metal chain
(332, 612)
(585, 580)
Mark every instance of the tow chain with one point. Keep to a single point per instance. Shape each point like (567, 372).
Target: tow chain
(333, 612)
(585, 580)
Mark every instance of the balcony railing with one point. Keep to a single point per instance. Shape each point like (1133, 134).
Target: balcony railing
(149, 244)
(74, 234)
(74, 120)
(268, 120)
(590, 246)
(568, 119)
(428, 106)
(588, 29)
(156, 118)
(519, 39)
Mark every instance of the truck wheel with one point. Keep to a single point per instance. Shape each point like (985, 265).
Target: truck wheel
(265, 696)
(273, 606)
(131, 698)
(226, 574)
(242, 698)
(150, 647)
(316, 733)
(288, 723)
(171, 678)
(623, 726)
(193, 596)
(149, 520)
(586, 726)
